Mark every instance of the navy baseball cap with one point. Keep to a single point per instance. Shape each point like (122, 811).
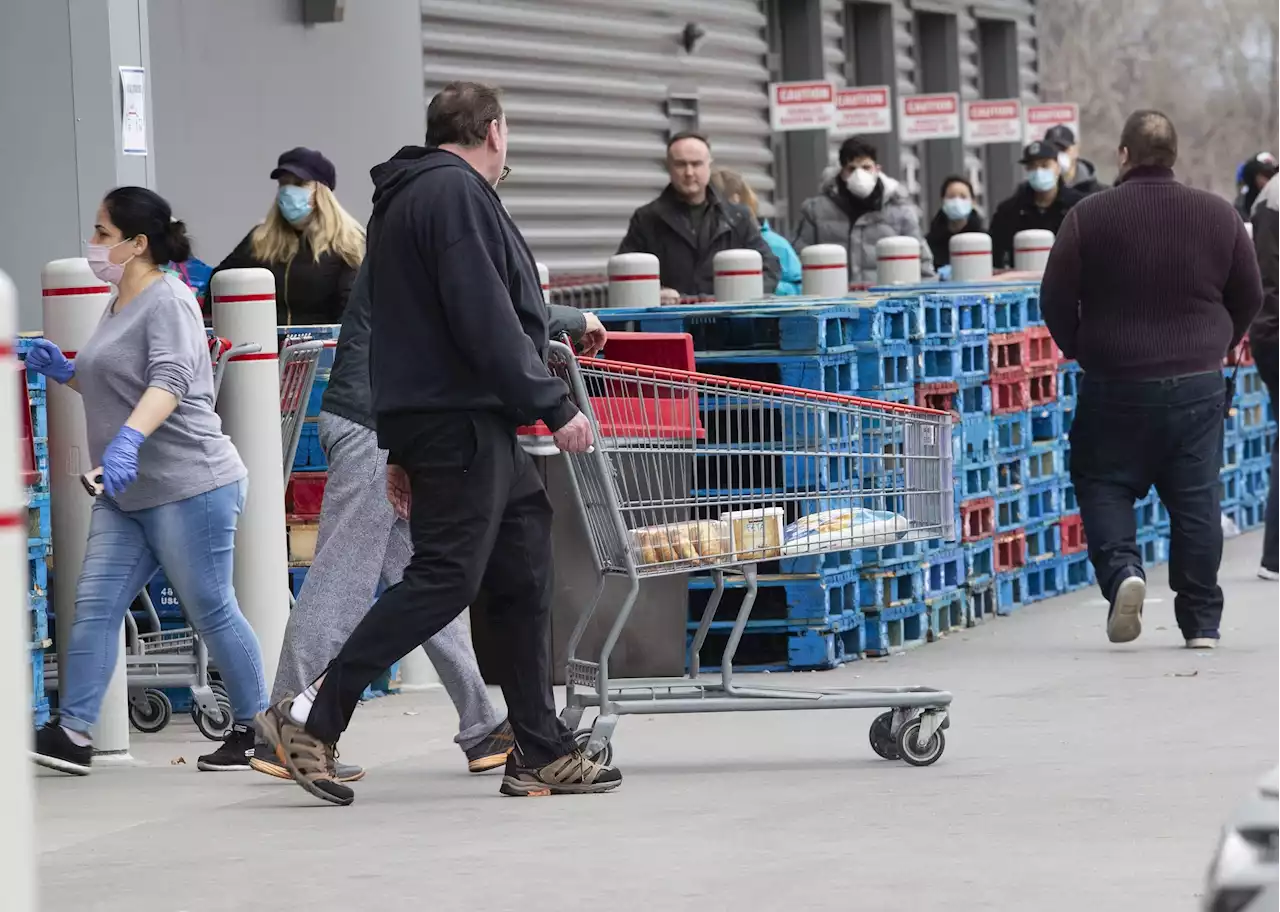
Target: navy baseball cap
(1038, 151)
(1061, 136)
(307, 165)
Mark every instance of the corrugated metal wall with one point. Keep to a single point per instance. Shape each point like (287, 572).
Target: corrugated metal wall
(592, 88)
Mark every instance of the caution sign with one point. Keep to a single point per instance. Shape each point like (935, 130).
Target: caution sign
(801, 106)
(863, 110)
(1040, 117)
(923, 117)
(992, 122)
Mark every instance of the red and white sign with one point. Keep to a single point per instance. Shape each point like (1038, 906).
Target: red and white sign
(863, 110)
(1040, 117)
(987, 121)
(801, 106)
(923, 117)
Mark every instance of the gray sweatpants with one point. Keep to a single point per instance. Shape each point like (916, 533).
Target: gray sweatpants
(361, 541)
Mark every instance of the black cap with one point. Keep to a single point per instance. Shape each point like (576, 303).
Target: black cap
(1037, 151)
(1061, 136)
(307, 165)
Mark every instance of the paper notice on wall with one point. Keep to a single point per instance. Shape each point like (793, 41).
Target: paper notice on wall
(863, 110)
(133, 110)
(923, 117)
(987, 121)
(1042, 117)
(801, 106)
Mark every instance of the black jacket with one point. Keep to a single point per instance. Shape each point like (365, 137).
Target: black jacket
(663, 229)
(1020, 213)
(1265, 330)
(349, 395)
(940, 235)
(309, 292)
(457, 319)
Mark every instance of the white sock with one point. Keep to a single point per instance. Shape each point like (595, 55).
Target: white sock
(300, 709)
(79, 739)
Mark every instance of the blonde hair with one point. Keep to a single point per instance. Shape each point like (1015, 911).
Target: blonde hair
(329, 229)
(730, 184)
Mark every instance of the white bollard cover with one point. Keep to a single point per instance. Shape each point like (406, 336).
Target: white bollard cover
(971, 257)
(634, 280)
(544, 279)
(1031, 249)
(739, 275)
(825, 271)
(897, 261)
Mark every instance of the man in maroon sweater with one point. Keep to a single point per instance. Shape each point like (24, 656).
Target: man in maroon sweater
(1149, 285)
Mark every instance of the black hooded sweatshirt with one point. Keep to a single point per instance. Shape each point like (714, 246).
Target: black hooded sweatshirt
(458, 321)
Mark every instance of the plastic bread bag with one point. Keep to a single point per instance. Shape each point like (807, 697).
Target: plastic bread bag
(696, 542)
(843, 529)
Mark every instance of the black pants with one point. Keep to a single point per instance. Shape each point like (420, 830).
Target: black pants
(1265, 356)
(1130, 435)
(480, 516)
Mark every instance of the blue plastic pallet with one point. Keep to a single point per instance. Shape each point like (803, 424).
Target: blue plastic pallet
(1010, 511)
(1068, 495)
(1011, 473)
(823, 373)
(1011, 591)
(896, 629)
(979, 562)
(39, 617)
(1044, 580)
(973, 311)
(977, 479)
(977, 439)
(39, 522)
(1250, 513)
(1254, 446)
(939, 318)
(1007, 312)
(310, 455)
(1046, 423)
(781, 601)
(1077, 572)
(937, 362)
(882, 588)
(884, 366)
(973, 400)
(911, 551)
(1013, 433)
(973, 356)
(1042, 501)
(1068, 407)
(39, 411)
(786, 649)
(981, 598)
(37, 568)
(1229, 485)
(1045, 462)
(1044, 540)
(1254, 479)
(39, 702)
(1034, 317)
(944, 613)
(942, 572)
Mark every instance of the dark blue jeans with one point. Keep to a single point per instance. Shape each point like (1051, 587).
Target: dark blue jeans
(1130, 435)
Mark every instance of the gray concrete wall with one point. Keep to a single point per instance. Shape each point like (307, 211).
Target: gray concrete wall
(236, 82)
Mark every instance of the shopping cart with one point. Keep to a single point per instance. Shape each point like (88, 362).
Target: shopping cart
(692, 472)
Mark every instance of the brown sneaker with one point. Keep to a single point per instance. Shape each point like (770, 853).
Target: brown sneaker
(309, 760)
(265, 761)
(492, 752)
(572, 774)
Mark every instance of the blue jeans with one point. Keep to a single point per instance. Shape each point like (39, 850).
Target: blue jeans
(193, 540)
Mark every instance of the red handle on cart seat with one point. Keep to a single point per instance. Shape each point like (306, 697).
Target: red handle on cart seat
(255, 356)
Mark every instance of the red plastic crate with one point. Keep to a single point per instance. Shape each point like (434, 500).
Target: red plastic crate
(1042, 351)
(1042, 386)
(1008, 354)
(305, 493)
(940, 396)
(1010, 551)
(1072, 531)
(1010, 394)
(977, 519)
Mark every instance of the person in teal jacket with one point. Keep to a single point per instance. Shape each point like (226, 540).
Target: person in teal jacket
(735, 190)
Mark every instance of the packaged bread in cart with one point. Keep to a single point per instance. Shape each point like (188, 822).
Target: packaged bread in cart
(756, 535)
(843, 529)
(697, 542)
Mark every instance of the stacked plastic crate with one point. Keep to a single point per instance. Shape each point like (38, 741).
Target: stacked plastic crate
(39, 537)
(1249, 436)
(1077, 571)
(1010, 394)
(1045, 465)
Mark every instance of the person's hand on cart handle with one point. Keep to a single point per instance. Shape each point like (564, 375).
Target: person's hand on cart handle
(576, 436)
(399, 492)
(594, 337)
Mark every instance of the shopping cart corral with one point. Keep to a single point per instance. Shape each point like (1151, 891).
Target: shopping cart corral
(693, 472)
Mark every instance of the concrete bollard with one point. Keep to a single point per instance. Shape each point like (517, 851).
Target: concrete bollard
(825, 270)
(1031, 249)
(897, 261)
(971, 257)
(634, 280)
(244, 311)
(17, 861)
(739, 275)
(74, 300)
(544, 278)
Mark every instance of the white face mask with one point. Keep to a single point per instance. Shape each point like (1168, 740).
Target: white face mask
(861, 182)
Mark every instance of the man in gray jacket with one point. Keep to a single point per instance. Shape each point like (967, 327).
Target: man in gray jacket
(856, 208)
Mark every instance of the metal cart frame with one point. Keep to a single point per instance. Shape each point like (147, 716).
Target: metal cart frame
(902, 455)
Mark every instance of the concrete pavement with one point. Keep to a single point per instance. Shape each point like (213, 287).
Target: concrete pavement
(1078, 775)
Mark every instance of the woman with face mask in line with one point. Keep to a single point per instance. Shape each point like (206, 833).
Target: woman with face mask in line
(956, 215)
(308, 241)
(173, 485)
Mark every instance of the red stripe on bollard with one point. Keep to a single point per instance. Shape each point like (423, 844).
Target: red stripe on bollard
(634, 278)
(236, 299)
(907, 256)
(823, 266)
(14, 520)
(740, 272)
(65, 292)
(1032, 249)
(956, 253)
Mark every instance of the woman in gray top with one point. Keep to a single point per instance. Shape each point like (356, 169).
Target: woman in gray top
(173, 483)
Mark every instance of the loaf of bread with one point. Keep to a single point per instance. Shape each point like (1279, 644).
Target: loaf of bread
(697, 542)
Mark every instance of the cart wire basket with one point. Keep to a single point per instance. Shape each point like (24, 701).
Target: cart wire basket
(693, 472)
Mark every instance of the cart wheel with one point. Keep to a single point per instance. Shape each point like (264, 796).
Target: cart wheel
(881, 737)
(214, 728)
(919, 756)
(605, 756)
(155, 715)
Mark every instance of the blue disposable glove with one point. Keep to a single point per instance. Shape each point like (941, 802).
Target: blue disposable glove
(46, 358)
(120, 461)
(944, 273)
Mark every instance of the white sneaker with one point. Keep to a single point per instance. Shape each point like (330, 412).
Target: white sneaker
(1124, 623)
(1264, 573)
(1202, 643)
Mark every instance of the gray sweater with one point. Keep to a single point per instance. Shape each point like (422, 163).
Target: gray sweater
(157, 340)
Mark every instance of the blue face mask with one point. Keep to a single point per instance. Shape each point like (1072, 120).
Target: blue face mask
(1042, 179)
(957, 208)
(294, 203)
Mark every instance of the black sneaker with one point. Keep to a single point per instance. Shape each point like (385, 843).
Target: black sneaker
(493, 751)
(572, 774)
(1124, 622)
(55, 750)
(234, 755)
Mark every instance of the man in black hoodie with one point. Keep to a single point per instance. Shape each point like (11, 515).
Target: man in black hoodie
(457, 362)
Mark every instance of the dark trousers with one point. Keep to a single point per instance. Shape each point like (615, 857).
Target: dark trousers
(1129, 435)
(480, 516)
(1265, 356)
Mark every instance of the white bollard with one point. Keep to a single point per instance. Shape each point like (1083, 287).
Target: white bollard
(544, 279)
(634, 280)
(971, 257)
(17, 861)
(74, 301)
(825, 268)
(897, 261)
(739, 275)
(244, 312)
(1031, 249)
